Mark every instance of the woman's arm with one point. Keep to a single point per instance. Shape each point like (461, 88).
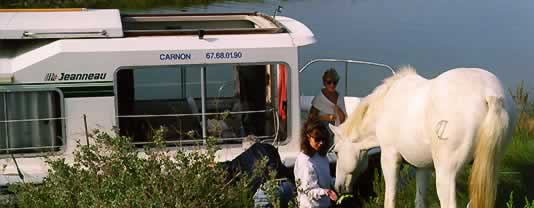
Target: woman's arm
(308, 182)
(314, 113)
(340, 108)
(340, 114)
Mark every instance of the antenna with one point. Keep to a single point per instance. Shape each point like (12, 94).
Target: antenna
(277, 10)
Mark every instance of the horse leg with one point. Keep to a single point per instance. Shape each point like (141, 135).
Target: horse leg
(447, 165)
(422, 177)
(390, 161)
(446, 186)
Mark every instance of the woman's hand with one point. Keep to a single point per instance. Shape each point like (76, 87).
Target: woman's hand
(331, 194)
(331, 117)
(328, 117)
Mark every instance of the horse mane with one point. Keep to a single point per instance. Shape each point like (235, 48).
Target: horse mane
(403, 71)
(355, 121)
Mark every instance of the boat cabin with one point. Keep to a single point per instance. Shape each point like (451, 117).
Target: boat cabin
(66, 72)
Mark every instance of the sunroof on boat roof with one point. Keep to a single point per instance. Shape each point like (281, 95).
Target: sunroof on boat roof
(213, 23)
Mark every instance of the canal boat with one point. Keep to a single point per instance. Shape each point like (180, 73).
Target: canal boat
(65, 72)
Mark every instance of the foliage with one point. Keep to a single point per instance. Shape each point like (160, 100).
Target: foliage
(518, 162)
(510, 202)
(113, 173)
(517, 167)
(406, 191)
(103, 4)
(525, 116)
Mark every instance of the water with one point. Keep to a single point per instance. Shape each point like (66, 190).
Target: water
(432, 36)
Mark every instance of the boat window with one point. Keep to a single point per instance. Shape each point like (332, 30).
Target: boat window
(31, 121)
(184, 24)
(239, 100)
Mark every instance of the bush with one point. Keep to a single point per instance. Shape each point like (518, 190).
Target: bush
(113, 173)
(510, 203)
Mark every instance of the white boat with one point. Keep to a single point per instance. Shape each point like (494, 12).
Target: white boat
(65, 72)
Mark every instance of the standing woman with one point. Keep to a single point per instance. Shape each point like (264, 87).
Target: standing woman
(329, 105)
(312, 169)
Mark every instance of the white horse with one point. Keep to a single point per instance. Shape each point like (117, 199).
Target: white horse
(442, 123)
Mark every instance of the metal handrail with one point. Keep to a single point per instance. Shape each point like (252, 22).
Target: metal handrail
(347, 61)
(30, 148)
(193, 141)
(28, 34)
(275, 135)
(49, 147)
(192, 114)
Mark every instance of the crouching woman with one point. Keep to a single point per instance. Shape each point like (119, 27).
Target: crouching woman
(312, 170)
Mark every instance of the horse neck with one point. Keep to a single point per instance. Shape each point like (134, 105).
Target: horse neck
(365, 137)
(362, 122)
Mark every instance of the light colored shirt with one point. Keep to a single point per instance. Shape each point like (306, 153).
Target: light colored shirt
(325, 106)
(312, 175)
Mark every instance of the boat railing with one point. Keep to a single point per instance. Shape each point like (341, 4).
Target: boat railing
(222, 115)
(347, 62)
(29, 145)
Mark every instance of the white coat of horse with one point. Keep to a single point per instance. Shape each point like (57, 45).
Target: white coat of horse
(441, 123)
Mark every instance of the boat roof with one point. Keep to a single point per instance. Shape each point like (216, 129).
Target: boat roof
(106, 23)
(82, 23)
(36, 42)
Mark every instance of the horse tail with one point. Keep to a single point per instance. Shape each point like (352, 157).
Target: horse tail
(491, 136)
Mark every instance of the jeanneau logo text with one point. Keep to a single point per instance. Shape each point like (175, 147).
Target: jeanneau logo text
(74, 76)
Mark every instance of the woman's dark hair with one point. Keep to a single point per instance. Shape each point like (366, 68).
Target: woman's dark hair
(314, 128)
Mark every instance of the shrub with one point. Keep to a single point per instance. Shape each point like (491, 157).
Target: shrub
(510, 203)
(113, 173)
